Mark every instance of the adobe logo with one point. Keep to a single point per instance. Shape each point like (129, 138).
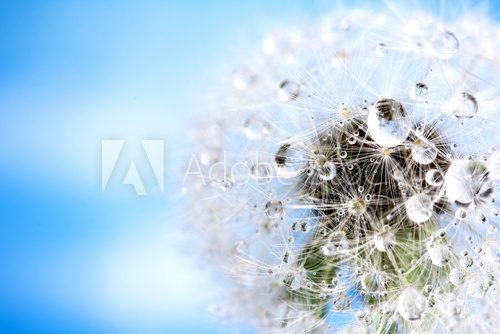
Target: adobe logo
(154, 154)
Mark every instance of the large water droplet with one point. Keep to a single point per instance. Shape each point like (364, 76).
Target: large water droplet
(273, 209)
(325, 168)
(419, 208)
(444, 45)
(423, 151)
(463, 105)
(289, 90)
(388, 123)
(411, 304)
(468, 183)
(418, 91)
(337, 243)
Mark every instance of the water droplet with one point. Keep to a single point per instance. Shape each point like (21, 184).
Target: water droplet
(434, 178)
(388, 123)
(351, 140)
(438, 253)
(418, 91)
(289, 90)
(357, 206)
(343, 154)
(463, 105)
(291, 159)
(411, 304)
(444, 45)
(456, 276)
(492, 229)
(326, 169)
(381, 50)
(419, 208)
(466, 261)
(423, 151)
(385, 239)
(467, 183)
(374, 282)
(461, 214)
(273, 209)
(256, 128)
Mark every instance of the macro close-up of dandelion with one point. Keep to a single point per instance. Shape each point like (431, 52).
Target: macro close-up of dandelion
(345, 177)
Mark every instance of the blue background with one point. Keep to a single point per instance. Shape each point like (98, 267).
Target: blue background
(73, 259)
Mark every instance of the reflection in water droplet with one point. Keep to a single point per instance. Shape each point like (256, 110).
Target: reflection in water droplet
(388, 123)
(411, 304)
(438, 253)
(385, 239)
(418, 91)
(444, 45)
(419, 208)
(289, 90)
(456, 276)
(273, 209)
(463, 105)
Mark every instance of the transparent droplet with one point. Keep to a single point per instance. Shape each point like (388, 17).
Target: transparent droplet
(381, 50)
(419, 91)
(374, 282)
(385, 239)
(419, 208)
(411, 304)
(273, 209)
(444, 45)
(388, 123)
(423, 151)
(478, 286)
(343, 154)
(438, 253)
(461, 214)
(492, 229)
(256, 128)
(466, 261)
(463, 105)
(351, 140)
(456, 276)
(434, 178)
(468, 183)
(291, 159)
(289, 90)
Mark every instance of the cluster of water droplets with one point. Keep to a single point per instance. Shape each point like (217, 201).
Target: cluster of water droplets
(358, 185)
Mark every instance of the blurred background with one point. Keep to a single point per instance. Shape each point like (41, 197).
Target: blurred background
(74, 259)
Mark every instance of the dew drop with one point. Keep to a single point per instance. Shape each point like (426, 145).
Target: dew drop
(385, 239)
(351, 140)
(418, 91)
(423, 151)
(419, 208)
(444, 45)
(438, 253)
(388, 123)
(463, 105)
(434, 178)
(256, 128)
(273, 209)
(288, 90)
(456, 276)
(291, 159)
(411, 304)
(467, 183)
(492, 229)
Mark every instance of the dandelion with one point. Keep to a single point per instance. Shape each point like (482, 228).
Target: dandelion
(360, 168)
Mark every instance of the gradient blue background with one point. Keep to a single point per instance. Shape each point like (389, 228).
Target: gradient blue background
(73, 259)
